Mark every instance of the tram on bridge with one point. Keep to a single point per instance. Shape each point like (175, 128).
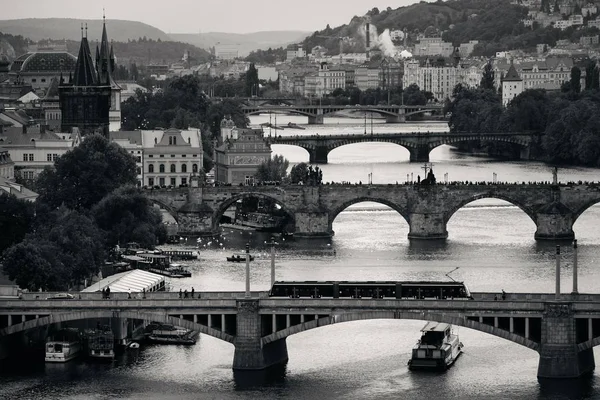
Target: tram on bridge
(372, 289)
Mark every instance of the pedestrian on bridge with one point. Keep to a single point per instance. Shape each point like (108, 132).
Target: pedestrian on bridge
(192, 292)
(503, 295)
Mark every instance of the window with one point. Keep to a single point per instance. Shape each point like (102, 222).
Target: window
(161, 168)
(150, 156)
(49, 157)
(54, 157)
(24, 157)
(30, 157)
(195, 168)
(184, 181)
(138, 159)
(151, 168)
(162, 156)
(184, 168)
(150, 181)
(161, 181)
(138, 171)
(173, 168)
(173, 181)
(183, 155)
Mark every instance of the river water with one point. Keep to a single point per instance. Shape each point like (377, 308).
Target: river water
(489, 240)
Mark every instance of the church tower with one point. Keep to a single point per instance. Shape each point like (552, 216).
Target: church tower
(85, 101)
(105, 64)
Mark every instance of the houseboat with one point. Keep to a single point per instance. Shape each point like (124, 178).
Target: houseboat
(64, 346)
(100, 343)
(437, 349)
(169, 334)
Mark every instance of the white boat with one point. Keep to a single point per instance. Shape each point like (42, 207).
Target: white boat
(437, 349)
(62, 351)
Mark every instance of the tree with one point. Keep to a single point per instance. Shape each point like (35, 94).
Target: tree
(83, 176)
(16, 217)
(487, 79)
(591, 76)
(252, 84)
(299, 173)
(126, 215)
(273, 170)
(575, 79)
(414, 96)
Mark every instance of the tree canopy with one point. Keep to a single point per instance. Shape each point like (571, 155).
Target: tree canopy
(16, 217)
(273, 170)
(83, 176)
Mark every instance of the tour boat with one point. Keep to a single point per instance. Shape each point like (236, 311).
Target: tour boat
(64, 346)
(437, 349)
(175, 336)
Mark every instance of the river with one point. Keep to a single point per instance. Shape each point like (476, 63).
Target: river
(489, 240)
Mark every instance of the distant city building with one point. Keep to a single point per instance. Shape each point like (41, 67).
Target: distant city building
(324, 81)
(38, 68)
(129, 89)
(588, 40)
(226, 51)
(92, 101)
(7, 166)
(32, 149)
(594, 23)
(437, 79)
(131, 141)
(512, 86)
(589, 9)
(433, 46)
(16, 189)
(237, 159)
(295, 51)
(267, 73)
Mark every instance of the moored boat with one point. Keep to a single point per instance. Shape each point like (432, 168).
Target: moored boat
(169, 334)
(437, 349)
(100, 343)
(64, 346)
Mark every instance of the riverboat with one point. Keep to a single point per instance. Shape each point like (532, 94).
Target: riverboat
(180, 254)
(437, 349)
(169, 334)
(294, 126)
(100, 343)
(179, 269)
(239, 258)
(64, 346)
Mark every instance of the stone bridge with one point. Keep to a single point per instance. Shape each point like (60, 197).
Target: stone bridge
(427, 209)
(419, 144)
(562, 329)
(316, 113)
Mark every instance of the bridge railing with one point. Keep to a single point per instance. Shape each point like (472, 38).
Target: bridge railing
(139, 295)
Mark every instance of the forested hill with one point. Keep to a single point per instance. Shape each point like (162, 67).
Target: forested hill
(496, 24)
(68, 28)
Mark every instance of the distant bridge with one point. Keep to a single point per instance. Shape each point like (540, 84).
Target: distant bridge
(316, 113)
(419, 144)
(562, 329)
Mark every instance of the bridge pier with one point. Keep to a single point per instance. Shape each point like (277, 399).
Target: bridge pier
(196, 220)
(318, 155)
(312, 224)
(419, 153)
(394, 119)
(555, 224)
(427, 226)
(316, 119)
(250, 353)
(559, 355)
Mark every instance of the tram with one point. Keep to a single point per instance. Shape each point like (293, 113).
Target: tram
(371, 289)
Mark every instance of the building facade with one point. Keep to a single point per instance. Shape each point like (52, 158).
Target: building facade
(512, 85)
(170, 157)
(439, 80)
(38, 68)
(7, 166)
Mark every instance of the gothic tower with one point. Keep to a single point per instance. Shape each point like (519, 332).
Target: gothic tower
(85, 100)
(105, 64)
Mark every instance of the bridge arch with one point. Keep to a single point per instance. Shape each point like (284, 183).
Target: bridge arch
(490, 195)
(336, 211)
(93, 314)
(218, 213)
(172, 212)
(584, 208)
(291, 110)
(423, 316)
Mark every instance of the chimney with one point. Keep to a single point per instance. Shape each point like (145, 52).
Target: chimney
(368, 46)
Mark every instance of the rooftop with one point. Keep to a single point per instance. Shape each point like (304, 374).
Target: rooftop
(45, 61)
(134, 281)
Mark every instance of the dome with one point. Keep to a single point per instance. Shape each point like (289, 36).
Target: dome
(49, 61)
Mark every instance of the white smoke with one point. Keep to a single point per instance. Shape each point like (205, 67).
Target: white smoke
(382, 42)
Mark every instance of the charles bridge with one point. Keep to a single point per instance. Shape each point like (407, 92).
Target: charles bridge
(554, 208)
(562, 328)
(316, 113)
(419, 144)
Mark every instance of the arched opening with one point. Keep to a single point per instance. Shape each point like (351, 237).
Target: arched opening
(588, 238)
(295, 154)
(490, 239)
(368, 227)
(195, 168)
(161, 168)
(173, 168)
(361, 153)
(253, 212)
(184, 168)
(151, 168)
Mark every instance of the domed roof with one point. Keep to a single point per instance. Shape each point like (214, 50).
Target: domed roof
(42, 61)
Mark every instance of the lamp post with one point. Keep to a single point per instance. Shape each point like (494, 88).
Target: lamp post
(557, 294)
(272, 243)
(247, 295)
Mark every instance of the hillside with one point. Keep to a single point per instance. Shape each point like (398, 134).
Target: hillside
(247, 42)
(67, 28)
(495, 24)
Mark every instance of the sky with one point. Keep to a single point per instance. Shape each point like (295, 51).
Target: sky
(194, 16)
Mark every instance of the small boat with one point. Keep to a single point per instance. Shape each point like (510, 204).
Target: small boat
(239, 258)
(64, 346)
(134, 345)
(174, 336)
(437, 349)
(294, 126)
(178, 269)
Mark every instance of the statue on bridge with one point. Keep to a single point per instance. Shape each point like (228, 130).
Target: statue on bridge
(430, 176)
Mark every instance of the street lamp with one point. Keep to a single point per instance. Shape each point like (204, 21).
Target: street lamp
(247, 295)
(272, 243)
